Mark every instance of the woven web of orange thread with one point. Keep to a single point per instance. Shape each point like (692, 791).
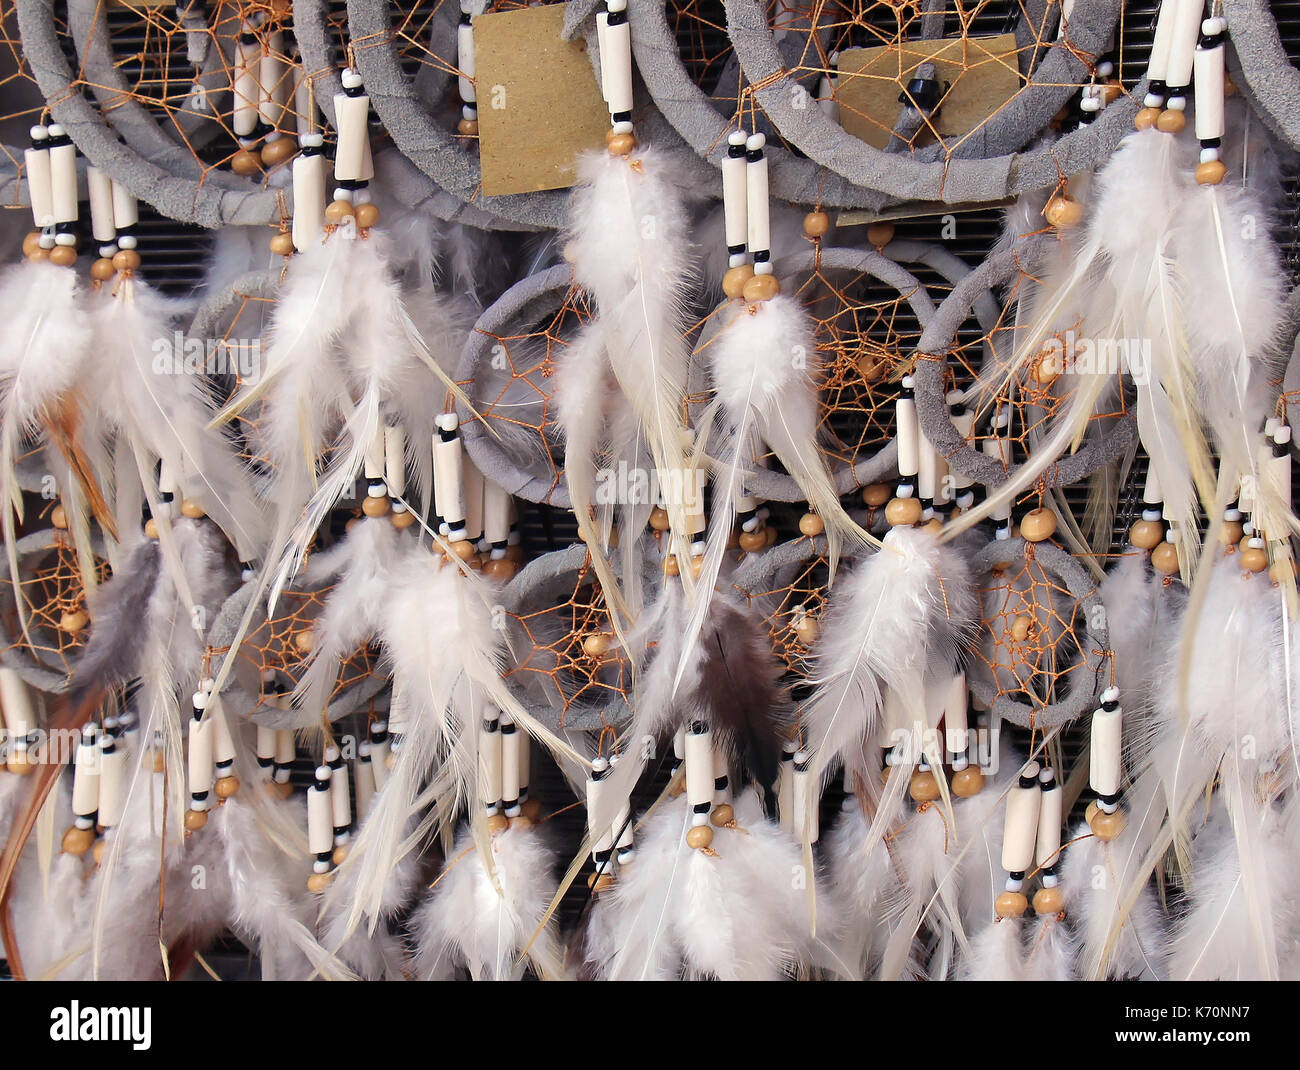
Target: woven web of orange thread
(23, 102)
(803, 597)
(275, 647)
(50, 590)
(1034, 669)
(814, 35)
(150, 46)
(570, 675)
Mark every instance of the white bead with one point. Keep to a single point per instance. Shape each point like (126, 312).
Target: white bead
(1176, 104)
(350, 78)
(1214, 26)
(1209, 155)
(127, 241)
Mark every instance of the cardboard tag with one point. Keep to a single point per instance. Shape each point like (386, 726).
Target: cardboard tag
(981, 73)
(539, 106)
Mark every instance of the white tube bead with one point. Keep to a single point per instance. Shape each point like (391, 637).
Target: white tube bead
(284, 748)
(1182, 43)
(807, 820)
(340, 800)
(785, 787)
(1279, 465)
(112, 784)
(1209, 75)
(927, 475)
(223, 743)
(85, 776)
(265, 744)
(496, 513)
(19, 718)
(964, 423)
(757, 208)
(1158, 59)
(63, 182)
(379, 770)
(602, 28)
(308, 200)
(512, 740)
(956, 717)
(320, 814)
(1050, 814)
(909, 438)
(735, 212)
(699, 767)
(601, 833)
(200, 755)
(353, 147)
(1105, 749)
(100, 189)
(465, 62)
(373, 465)
(395, 460)
(998, 447)
(721, 770)
(126, 209)
(448, 473)
(616, 66)
(363, 775)
(272, 82)
(246, 93)
(1021, 827)
(40, 184)
(473, 500)
(489, 760)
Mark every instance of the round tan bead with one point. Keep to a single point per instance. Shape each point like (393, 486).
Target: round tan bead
(467, 128)
(151, 528)
(227, 787)
(599, 882)
(337, 211)
(318, 882)
(1107, 826)
(1254, 559)
(1146, 118)
(753, 541)
(880, 233)
(807, 630)
(1011, 905)
(367, 215)
(126, 260)
(1164, 558)
(73, 621)
(276, 152)
(531, 809)
(31, 242)
(246, 162)
(816, 224)
(403, 520)
(497, 823)
(102, 269)
(1147, 534)
(811, 524)
(19, 764)
(39, 254)
(1111, 91)
(282, 789)
(376, 507)
(63, 255)
(1210, 173)
(282, 244)
(595, 646)
(699, 837)
(1231, 533)
(934, 525)
(901, 512)
(1171, 122)
(659, 518)
(464, 549)
(195, 820)
(1047, 368)
(876, 495)
(340, 854)
(733, 282)
(1049, 901)
(1020, 628)
(621, 144)
(521, 822)
(967, 782)
(192, 509)
(1063, 212)
(501, 568)
(923, 787)
(78, 841)
(670, 566)
(1038, 524)
(304, 639)
(761, 288)
(97, 853)
(723, 814)
(59, 517)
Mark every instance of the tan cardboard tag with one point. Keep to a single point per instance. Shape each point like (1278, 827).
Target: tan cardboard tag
(981, 72)
(539, 106)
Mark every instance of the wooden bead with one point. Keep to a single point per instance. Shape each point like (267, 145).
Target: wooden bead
(19, 764)
(501, 569)
(699, 837)
(621, 144)
(97, 853)
(1147, 534)
(63, 255)
(880, 233)
(59, 517)
(276, 152)
(1038, 524)
(1107, 826)
(1063, 212)
(733, 282)
(595, 646)
(367, 215)
(670, 566)
(338, 211)
(102, 269)
(151, 528)
(403, 520)
(31, 242)
(659, 518)
(1020, 628)
(811, 524)
(1210, 173)
(192, 509)
(284, 790)
(515, 553)
(318, 882)
(807, 630)
(923, 787)
(467, 128)
(901, 512)
(753, 541)
(340, 854)
(1164, 558)
(38, 254)
(723, 815)
(599, 882)
(126, 260)
(1254, 559)
(77, 841)
(73, 621)
(376, 507)
(195, 820)
(769, 535)
(304, 639)
(1111, 91)
(282, 244)
(1231, 533)
(464, 549)
(1146, 118)
(1047, 368)
(227, 787)
(246, 162)
(521, 822)
(497, 823)
(1011, 904)
(532, 809)
(1171, 122)
(816, 224)
(761, 288)
(1049, 901)
(876, 495)
(934, 526)
(967, 782)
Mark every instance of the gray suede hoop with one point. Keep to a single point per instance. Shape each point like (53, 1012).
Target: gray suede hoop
(1273, 82)
(982, 167)
(931, 391)
(171, 179)
(1095, 642)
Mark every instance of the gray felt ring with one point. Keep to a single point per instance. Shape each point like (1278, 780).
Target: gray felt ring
(1273, 81)
(931, 389)
(1095, 641)
(982, 169)
(209, 319)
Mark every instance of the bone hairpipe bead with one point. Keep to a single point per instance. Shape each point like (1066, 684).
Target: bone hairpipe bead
(1021, 829)
(363, 775)
(112, 781)
(473, 500)
(245, 88)
(320, 814)
(1208, 68)
(351, 113)
(1105, 747)
(63, 176)
(308, 192)
(489, 762)
(85, 775)
(909, 432)
(616, 61)
(40, 182)
(807, 826)
(735, 198)
(601, 833)
(1182, 42)
(273, 85)
(448, 474)
(395, 460)
(126, 209)
(699, 769)
(1050, 814)
(100, 189)
(757, 209)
